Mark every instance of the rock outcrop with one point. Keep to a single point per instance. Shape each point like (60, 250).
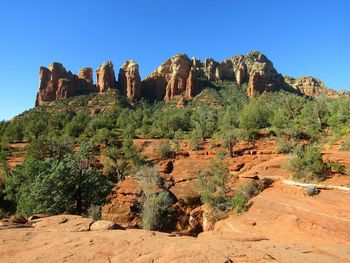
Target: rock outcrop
(129, 80)
(177, 78)
(56, 83)
(106, 77)
(124, 204)
(310, 86)
(170, 79)
(255, 69)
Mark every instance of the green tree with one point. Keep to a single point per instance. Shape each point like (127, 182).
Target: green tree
(205, 121)
(50, 186)
(214, 186)
(230, 138)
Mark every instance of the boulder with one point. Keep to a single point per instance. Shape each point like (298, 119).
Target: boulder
(106, 77)
(129, 80)
(103, 225)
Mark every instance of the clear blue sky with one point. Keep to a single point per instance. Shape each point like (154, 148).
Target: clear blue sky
(300, 37)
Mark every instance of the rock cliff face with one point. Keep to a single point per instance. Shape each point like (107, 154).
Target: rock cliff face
(169, 79)
(56, 83)
(106, 77)
(129, 80)
(255, 69)
(310, 86)
(178, 77)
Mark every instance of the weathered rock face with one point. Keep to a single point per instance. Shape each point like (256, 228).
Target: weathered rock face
(178, 77)
(124, 204)
(86, 74)
(211, 69)
(106, 77)
(169, 80)
(254, 68)
(191, 85)
(56, 83)
(129, 80)
(310, 86)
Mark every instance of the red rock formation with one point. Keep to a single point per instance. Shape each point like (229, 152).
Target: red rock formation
(124, 202)
(56, 83)
(177, 76)
(106, 77)
(129, 80)
(310, 86)
(191, 85)
(170, 79)
(86, 74)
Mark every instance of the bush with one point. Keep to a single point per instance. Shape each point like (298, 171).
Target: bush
(285, 146)
(195, 140)
(94, 212)
(239, 203)
(214, 187)
(307, 163)
(156, 212)
(243, 193)
(345, 146)
(165, 150)
(337, 167)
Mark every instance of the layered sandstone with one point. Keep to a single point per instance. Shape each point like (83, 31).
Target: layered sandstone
(56, 83)
(310, 86)
(177, 78)
(170, 79)
(106, 77)
(129, 80)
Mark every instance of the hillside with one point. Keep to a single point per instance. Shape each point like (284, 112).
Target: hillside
(177, 76)
(207, 158)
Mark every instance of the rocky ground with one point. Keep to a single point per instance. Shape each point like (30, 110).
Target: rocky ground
(283, 224)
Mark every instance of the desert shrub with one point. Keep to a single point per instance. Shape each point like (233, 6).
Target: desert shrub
(285, 146)
(337, 167)
(94, 212)
(130, 153)
(195, 140)
(156, 212)
(165, 150)
(220, 155)
(177, 140)
(242, 194)
(239, 203)
(345, 146)
(312, 190)
(230, 138)
(214, 186)
(307, 163)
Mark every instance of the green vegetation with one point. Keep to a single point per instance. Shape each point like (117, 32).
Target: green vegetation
(165, 150)
(156, 213)
(214, 187)
(56, 186)
(307, 163)
(62, 174)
